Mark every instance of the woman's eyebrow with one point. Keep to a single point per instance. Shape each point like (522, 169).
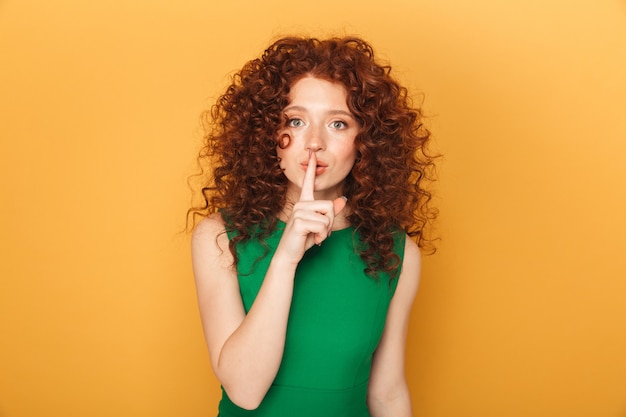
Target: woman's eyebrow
(330, 112)
(341, 112)
(296, 108)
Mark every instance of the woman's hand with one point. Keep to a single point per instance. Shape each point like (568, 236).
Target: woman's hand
(311, 220)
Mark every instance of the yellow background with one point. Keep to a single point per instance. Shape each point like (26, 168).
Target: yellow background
(522, 312)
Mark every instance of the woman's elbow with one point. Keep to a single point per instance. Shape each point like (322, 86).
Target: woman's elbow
(248, 399)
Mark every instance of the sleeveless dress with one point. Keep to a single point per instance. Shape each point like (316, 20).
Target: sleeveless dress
(336, 320)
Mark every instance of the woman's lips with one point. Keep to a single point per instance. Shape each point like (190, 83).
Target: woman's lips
(319, 169)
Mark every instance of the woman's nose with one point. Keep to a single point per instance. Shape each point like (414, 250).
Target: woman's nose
(315, 139)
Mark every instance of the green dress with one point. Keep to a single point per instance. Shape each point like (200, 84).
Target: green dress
(336, 320)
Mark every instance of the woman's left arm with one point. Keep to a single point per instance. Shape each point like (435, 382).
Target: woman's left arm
(388, 393)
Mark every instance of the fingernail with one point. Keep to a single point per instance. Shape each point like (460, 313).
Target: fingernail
(344, 198)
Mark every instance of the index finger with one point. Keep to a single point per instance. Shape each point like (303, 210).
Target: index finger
(308, 184)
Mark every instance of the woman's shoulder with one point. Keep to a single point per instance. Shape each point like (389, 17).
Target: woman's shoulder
(209, 223)
(411, 263)
(209, 230)
(411, 249)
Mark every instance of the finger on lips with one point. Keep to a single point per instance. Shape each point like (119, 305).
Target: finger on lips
(307, 195)
(308, 183)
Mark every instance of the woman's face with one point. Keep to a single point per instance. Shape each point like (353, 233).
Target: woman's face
(318, 120)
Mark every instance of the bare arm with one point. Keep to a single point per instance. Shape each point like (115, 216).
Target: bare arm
(388, 394)
(246, 350)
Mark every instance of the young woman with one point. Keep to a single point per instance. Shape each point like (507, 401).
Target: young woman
(306, 258)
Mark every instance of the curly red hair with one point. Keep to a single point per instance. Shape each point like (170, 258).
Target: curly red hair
(386, 187)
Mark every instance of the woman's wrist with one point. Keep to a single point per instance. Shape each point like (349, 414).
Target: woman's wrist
(284, 263)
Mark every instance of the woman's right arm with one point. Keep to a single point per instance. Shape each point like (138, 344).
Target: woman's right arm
(245, 350)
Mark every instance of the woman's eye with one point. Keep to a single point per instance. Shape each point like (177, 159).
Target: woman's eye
(295, 123)
(338, 124)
